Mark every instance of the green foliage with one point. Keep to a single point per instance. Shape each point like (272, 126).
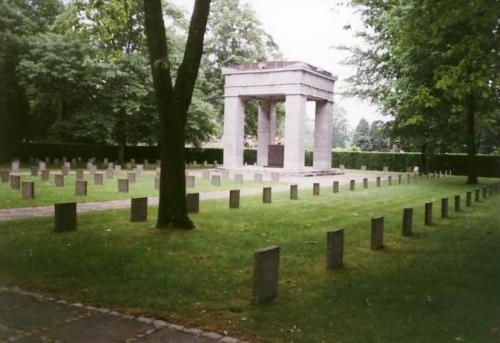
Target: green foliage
(361, 137)
(341, 131)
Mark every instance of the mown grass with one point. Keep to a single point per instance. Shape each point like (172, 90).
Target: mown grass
(441, 285)
(46, 193)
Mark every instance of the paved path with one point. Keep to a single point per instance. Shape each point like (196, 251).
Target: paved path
(304, 182)
(27, 317)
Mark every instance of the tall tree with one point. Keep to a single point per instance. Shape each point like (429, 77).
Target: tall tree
(341, 130)
(379, 136)
(173, 101)
(361, 137)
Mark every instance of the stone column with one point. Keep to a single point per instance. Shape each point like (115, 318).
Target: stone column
(263, 132)
(295, 120)
(234, 131)
(323, 135)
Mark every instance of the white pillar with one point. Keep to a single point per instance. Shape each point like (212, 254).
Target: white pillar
(323, 135)
(263, 132)
(295, 124)
(234, 132)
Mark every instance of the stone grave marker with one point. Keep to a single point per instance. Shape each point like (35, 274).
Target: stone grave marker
(468, 199)
(193, 202)
(266, 195)
(265, 275)
(110, 165)
(477, 194)
(294, 192)
(138, 209)
(428, 213)
(59, 180)
(407, 222)
(5, 175)
(65, 170)
(118, 169)
(145, 163)
(190, 181)
(98, 179)
(389, 180)
(352, 185)
(215, 181)
(457, 203)
(131, 177)
(444, 207)
(14, 166)
(15, 182)
(238, 179)
(123, 185)
(257, 178)
(65, 217)
(34, 171)
(28, 190)
(400, 178)
(42, 166)
(234, 198)
(378, 181)
(334, 248)
(377, 233)
(45, 175)
(79, 174)
(81, 188)
(335, 187)
(139, 169)
(365, 182)
(128, 166)
(316, 189)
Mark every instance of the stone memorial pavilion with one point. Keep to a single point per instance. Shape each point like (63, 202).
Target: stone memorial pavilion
(294, 83)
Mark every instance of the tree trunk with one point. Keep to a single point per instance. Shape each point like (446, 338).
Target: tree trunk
(471, 140)
(173, 104)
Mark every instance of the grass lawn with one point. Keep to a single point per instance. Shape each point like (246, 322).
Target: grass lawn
(441, 285)
(46, 193)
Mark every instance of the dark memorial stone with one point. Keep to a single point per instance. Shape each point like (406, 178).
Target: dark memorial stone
(138, 209)
(444, 208)
(294, 192)
(378, 181)
(45, 174)
(266, 275)
(190, 180)
(457, 203)
(59, 180)
(365, 182)
(65, 217)
(98, 179)
(407, 222)
(193, 202)
(81, 188)
(334, 248)
(123, 185)
(234, 198)
(352, 185)
(468, 199)
(266, 195)
(335, 186)
(275, 155)
(238, 179)
(79, 174)
(15, 182)
(477, 194)
(377, 234)
(215, 180)
(34, 171)
(131, 177)
(316, 189)
(428, 213)
(28, 190)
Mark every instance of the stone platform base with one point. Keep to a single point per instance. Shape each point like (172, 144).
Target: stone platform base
(306, 172)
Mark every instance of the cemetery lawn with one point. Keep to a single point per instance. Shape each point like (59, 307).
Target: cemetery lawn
(46, 193)
(441, 285)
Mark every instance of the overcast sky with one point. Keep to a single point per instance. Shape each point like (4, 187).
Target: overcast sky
(308, 30)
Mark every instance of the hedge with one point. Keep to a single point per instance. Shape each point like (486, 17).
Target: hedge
(488, 165)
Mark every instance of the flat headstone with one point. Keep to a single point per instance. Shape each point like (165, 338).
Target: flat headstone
(275, 177)
(316, 188)
(294, 192)
(257, 177)
(65, 217)
(190, 181)
(377, 233)
(59, 180)
(266, 195)
(265, 275)
(138, 209)
(334, 248)
(457, 203)
(428, 213)
(378, 181)
(335, 187)
(79, 174)
(5, 175)
(109, 173)
(468, 199)
(365, 182)
(407, 222)
(234, 198)
(34, 171)
(444, 207)
(98, 179)
(157, 183)
(352, 185)
(45, 174)
(123, 185)
(205, 174)
(14, 166)
(28, 190)
(215, 180)
(238, 179)
(193, 202)
(131, 177)
(15, 182)
(81, 188)
(65, 170)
